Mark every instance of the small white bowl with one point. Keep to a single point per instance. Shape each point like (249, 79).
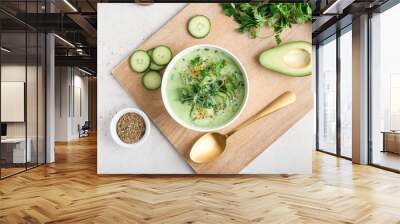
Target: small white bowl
(168, 70)
(113, 127)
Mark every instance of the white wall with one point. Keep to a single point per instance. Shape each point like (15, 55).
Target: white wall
(80, 83)
(12, 101)
(34, 125)
(67, 116)
(12, 73)
(62, 81)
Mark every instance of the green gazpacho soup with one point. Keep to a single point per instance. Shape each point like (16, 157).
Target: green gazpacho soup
(205, 88)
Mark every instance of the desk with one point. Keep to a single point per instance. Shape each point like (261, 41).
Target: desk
(17, 150)
(391, 141)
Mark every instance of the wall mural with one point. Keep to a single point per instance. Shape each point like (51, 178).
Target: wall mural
(221, 82)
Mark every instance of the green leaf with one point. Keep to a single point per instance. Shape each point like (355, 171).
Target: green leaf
(229, 8)
(252, 17)
(204, 85)
(197, 61)
(203, 74)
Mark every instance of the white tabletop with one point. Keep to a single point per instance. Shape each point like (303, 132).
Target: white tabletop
(123, 26)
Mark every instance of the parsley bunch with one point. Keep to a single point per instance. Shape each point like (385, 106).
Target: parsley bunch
(278, 16)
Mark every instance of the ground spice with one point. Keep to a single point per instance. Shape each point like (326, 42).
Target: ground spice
(131, 127)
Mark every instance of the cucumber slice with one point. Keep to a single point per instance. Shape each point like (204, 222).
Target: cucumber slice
(139, 61)
(154, 66)
(199, 26)
(161, 55)
(152, 80)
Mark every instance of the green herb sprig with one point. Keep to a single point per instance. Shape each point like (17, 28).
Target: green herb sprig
(206, 89)
(278, 16)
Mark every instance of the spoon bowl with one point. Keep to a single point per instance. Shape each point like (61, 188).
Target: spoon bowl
(208, 147)
(211, 145)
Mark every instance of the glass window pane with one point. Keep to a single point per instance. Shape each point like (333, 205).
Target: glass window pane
(327, 96)
(41, 98)
(23, 90)
(31, 100)
(13, 89)
(385, 92)
(346, 94)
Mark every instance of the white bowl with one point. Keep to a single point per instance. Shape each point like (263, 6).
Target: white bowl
(168, 70)
(113, 127)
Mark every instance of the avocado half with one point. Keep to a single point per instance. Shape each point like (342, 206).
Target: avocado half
(291, 58)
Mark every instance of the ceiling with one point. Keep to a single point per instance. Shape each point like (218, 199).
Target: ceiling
(74, 22)
(332, 15)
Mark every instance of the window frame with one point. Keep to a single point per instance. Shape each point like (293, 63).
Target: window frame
(381, 9)
(334, 37)
(29, 29)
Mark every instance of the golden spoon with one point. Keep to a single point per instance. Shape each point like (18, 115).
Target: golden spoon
(211, 145)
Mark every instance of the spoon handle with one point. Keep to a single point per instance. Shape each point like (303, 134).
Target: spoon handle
(281, 101)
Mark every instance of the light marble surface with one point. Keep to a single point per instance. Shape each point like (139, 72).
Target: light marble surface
(121, 28)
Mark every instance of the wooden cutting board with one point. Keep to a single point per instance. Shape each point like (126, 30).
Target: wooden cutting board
(265, 85)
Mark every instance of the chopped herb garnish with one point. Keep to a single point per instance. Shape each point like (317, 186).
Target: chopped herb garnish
(207, 89)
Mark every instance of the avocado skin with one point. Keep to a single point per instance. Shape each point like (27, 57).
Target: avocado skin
(272, 59)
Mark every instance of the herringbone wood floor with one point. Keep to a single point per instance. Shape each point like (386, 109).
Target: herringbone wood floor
(69, 191)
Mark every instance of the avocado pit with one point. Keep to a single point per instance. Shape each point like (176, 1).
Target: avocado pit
(297, 58)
